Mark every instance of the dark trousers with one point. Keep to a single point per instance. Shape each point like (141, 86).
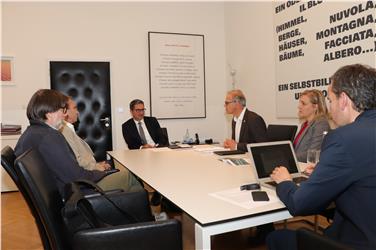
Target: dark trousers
(283, 239)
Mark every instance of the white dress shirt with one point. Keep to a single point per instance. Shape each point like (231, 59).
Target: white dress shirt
(238, 124)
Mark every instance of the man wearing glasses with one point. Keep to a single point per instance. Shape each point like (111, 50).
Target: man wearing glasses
(46, 111)
(142, 131)
(247, 126)
(346, 172)
(85, 156)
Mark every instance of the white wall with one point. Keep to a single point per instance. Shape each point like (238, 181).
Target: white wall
(35, 33)
(236, 33)
(250, 51)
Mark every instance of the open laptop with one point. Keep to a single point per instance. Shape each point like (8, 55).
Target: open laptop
(268, 155)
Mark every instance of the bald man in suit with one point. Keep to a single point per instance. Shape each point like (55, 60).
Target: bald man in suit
(247, 126)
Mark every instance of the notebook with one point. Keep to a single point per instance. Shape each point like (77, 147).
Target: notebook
(266, 156)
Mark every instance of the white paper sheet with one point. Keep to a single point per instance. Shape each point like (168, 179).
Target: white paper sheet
(208, 148)
(244, 198)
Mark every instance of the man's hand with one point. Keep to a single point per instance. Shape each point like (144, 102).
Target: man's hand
(309, 169)
(103, 166)
(146, 146)
(229, 143)
(280, 174)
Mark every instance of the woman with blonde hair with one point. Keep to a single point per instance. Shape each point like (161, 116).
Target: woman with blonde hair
(313, 114)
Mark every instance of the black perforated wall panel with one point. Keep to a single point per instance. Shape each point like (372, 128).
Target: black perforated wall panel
(88, 83)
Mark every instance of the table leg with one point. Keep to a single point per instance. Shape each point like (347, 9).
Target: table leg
(202, 238)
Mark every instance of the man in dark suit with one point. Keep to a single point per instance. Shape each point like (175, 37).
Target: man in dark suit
(142, 131)
(346, 172)
(247, 126)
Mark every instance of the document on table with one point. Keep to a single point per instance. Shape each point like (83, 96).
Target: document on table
(171, 147)
(207, 148)
(244, 198)
(235, 161)
(162, 149)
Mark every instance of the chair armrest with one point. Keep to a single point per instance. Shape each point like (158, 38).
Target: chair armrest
(135, 204)
(159, 235)
(107, 192)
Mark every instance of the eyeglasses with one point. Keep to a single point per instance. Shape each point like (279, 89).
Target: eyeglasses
(139, 110)
(64, 109)
(228, 102)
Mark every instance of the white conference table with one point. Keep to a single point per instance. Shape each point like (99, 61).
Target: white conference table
(187, 177)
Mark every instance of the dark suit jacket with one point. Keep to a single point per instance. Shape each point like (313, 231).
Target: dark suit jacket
(253, 130)
(346, 174)
(56, 153)
(132, 137)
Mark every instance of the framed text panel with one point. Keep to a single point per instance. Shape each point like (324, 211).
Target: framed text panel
(177, 75)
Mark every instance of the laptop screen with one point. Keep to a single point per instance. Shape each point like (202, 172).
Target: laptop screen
(267, 157)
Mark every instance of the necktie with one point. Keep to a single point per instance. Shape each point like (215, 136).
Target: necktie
(142, 134)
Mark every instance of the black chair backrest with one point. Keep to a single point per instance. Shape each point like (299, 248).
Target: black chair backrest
(35, 178)
(7, 161)
(309, 240)
(281, 132)
(165, 134)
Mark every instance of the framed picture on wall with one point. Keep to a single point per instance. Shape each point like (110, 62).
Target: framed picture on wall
(7, 70)
(177, 75)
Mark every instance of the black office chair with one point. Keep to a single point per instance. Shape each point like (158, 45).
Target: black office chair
(309, 240)
(165, 137)
(7, 161)
(276, 132)
(35, 177)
